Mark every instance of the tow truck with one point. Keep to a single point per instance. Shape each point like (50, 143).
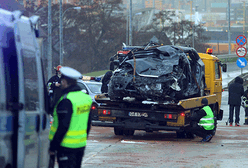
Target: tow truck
(128, 115)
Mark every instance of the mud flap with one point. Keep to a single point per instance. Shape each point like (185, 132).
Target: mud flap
(220, 115)
(51, 161)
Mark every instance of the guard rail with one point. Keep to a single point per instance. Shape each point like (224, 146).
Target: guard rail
(228, 56)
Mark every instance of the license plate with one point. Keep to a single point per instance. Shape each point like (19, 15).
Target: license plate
(137, 114)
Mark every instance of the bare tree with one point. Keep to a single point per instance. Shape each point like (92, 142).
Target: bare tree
(157, 28)
(182, 34)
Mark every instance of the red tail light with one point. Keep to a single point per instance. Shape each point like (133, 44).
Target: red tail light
(93, 107)
(182, 114)
(170, 116)
(106, 112)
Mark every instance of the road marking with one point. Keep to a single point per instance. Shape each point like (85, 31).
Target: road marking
(123, 141)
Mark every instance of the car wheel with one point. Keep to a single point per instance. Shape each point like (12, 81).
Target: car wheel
(118, 131)
(128, 132)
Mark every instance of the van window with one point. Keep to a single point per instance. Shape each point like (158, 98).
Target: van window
(30, 80)
(217, 71)
(10, 68)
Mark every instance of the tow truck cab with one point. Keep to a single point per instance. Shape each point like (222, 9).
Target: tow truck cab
(24, 122)
(213, 77)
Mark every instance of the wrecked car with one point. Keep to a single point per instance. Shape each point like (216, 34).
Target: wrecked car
(158, 73)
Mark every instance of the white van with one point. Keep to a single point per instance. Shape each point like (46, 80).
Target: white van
(24, 122)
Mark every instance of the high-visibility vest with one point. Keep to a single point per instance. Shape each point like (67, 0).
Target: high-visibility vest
(76, 136)
(207, 121)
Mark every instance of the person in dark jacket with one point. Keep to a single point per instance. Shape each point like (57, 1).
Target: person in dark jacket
(202, 122)
(54, 90)
(106, 79)
(235, 91)
(72, 121)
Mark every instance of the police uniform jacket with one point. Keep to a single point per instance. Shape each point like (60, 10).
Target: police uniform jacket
(64, 112)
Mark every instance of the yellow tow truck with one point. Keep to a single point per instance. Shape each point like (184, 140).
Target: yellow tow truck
(129, 115)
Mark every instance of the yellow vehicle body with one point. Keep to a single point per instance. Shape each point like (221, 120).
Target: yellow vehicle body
(213, 76)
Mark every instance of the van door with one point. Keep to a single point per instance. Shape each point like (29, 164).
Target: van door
(44, 143)
(10, 125)
(29, 118)
(7, 144)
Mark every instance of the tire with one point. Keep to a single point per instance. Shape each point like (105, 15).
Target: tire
(189, 135)
(118, 131)
(181, 134)
(128, 132)
(111, 93)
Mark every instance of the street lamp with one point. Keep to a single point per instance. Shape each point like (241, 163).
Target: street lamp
(61, 33)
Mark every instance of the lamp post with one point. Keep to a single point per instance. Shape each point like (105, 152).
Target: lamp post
(61, 33)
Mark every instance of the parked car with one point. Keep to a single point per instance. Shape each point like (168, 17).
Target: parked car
(92, 89)
(158, 73)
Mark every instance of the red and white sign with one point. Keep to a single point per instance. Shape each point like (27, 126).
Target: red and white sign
(241, 40)
(241, 51)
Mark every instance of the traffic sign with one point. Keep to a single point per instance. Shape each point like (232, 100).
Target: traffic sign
(241, 62)
(241, 40)
(241, 51)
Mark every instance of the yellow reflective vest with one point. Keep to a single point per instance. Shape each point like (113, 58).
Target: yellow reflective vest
(207, 121)
(76, 136)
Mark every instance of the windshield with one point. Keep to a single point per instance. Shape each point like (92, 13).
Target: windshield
(94, 87)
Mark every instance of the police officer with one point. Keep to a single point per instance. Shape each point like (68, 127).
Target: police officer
(53, 84)
(203, 123)
(72, 122)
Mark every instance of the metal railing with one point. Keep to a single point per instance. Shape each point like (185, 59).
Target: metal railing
(229, 56)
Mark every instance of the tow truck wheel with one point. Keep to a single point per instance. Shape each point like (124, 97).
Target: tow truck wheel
(118, 131)
(189, 135)
(181, 134)
(128, 132)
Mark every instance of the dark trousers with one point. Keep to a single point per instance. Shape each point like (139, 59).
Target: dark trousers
(70, 158)
(200, 131)
(237, 111)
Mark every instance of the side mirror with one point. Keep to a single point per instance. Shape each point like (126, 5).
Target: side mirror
(224, 67)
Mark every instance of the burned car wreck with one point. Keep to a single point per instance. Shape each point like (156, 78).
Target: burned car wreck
(158, 73)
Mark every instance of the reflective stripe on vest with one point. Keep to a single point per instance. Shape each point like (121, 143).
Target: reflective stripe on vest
(207, 121)
(76, 136)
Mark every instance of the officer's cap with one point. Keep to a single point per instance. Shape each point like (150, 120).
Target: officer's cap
(70, 73)
(204, 101)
